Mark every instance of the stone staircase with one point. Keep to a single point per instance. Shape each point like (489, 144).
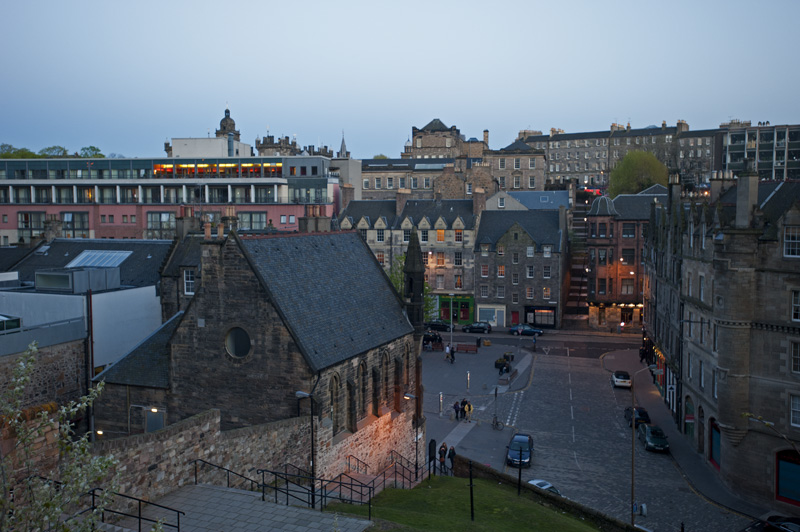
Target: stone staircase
(576, 312)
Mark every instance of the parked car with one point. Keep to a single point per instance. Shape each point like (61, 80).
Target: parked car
(525, 330)
(621, 379)
(520, 449)
(778, 522)
(653, 437)
(479, 326)
(641, 416)
(544, 485)
(438, 325)
(431, 337)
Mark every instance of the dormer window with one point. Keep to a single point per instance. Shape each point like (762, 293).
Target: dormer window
(188, 282)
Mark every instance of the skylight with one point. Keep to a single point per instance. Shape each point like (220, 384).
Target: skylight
(99, 259)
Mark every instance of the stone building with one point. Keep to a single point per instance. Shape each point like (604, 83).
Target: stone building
(446, 230)
(274, 319)
(521, 267)
(615, 257)
(437, 141)
(723, 312)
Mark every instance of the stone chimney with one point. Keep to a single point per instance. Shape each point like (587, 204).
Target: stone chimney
(348, 194)
(314, 221)
(674, 191)
(52, 228)
(663, 125)
(186, 222)
(682, 126)
(629, 127)
(486, 137)
(230, 221)
(716, 186)
(746, 196)
(400, 200)
(478, 200)
(207, 231)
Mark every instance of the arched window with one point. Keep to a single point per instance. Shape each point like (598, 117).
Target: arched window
(406, 362)
(376, 391)
(362, 391)
(387, 391)
(334, 400)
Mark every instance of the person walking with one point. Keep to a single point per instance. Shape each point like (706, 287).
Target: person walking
(451, 455)
(447, 353)
(463, 404)
(452, 355)
(534, 342)
(457, 409)
(442, 456)
(468, 412)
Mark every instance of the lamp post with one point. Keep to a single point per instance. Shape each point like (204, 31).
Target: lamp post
(302, 395)
(415, 422)
(451, 320)
(143, 407)
(633, 438)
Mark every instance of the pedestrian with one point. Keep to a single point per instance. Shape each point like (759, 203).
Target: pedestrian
(641, 354)
(457, 409)
(463, 404)
(468, 412)
(451, 455)
(442, 456)
(447, 352)
(453, 355)
(534, 342)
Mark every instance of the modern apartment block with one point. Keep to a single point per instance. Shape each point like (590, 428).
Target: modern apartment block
(775, 150)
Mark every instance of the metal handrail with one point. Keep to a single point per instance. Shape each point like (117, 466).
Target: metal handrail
(395, 456)
(287, 479)
(351, 485)
(138, 516)
(359, 465)
(253, 483)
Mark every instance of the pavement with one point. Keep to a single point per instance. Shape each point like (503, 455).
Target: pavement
(473, 377)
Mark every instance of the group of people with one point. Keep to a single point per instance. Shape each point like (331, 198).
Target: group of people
(445, 454)
(463, 410)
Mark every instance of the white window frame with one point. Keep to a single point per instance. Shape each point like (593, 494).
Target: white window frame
(379, 235)
(794, 357)
(529, 292)
(501, 292)
(529, 272)
(547, 251)
(545, 272)
(794, 410)
(501, 203)
(532, 163)
(501, 163)
(795, 305)
(530, 251)
(484, 290)
(189, 281)
(791, 241)
(546, 293)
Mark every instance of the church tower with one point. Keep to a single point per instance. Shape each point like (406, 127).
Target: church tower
(414, 283)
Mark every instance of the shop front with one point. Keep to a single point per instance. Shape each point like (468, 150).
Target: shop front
(459, 307)
(540, 316)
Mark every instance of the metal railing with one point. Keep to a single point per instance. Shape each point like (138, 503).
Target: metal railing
(141, 503)
(360, 466)
(254, 485)
(347, 489)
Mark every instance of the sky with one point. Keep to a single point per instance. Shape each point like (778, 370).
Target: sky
(128, 76)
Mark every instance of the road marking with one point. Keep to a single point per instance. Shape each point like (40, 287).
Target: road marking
(571, 412)
(573, 433)
(546, 350)
(570, 394)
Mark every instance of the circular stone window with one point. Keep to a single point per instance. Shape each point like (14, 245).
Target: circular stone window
(237, 342)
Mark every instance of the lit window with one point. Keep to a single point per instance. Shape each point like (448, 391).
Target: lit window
(188, 282)
(501, 270)
(459, 283)
(484, 250)
(529, 292)
(627, 287)
(381, 258)
(484, 270)
(440, 235)
(440, 258)
(546, 293)
(459, 235)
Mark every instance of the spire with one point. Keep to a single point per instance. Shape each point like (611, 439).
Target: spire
(343, 153)
(414, 281)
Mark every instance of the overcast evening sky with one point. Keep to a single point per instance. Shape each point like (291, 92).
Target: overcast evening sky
(127, 76)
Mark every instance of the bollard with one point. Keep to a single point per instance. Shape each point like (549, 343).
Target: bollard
(468, 381)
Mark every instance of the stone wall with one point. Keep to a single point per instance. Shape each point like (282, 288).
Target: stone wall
(59, 373)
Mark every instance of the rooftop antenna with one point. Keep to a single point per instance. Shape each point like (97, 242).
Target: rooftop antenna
(209, 133)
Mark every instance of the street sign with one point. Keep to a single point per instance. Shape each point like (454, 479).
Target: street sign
(658, 372)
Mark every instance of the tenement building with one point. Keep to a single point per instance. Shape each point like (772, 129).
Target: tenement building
(615, 257)
(520, 264)
(723, 310)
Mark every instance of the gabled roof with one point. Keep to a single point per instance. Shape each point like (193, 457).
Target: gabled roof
(10, 255)
(372, 210)
(449, 210)
(141, 268)
(775, 198)
(542, 226)
(636, 206)
(602, 206)
(655, 189)
(147, 364)
(435, 125)
(354, 308)
(537, 200)
(187, 254)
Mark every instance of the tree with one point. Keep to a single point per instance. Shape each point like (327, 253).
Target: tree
(91, 152)
(29, 501)
(397, 276)
(7, 151)
(380, 156)
(54, 151)
(637, 171)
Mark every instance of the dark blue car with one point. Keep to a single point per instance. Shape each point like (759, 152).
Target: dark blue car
(520, 449)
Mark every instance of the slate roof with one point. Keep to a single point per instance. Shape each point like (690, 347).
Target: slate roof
(655, 189)
(11, 255)
(542, 226)
(449, 210)
(533, 199)
(775, 198)
(187, 254)
(404, 164)
(147, 364)
(636, 206)
(333, 295)
(141, 268)
(517, 145)
(371, 209)
(435, 125)
(602, 206)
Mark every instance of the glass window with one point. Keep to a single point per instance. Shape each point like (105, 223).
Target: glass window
(381, 257)
(440, 282)
(502, 163)
(440, 235)
(501, 250)
(547, 251)
(546, 292)
(627, 287)
(532, 163)
(379, 235)
(188, 282)
(546, 272)
(501, 270)
(501, 291)
(530, 251)
(514, 278)
(795, 305)
(484, 270)
(440, 258)
(459, 235)
(530, 272)
(796, 410)
(406, 235)
(628, 230)
(484, 290)
(791, 241)
(459, 283)
(517, 163)
(529, 292)
(795, 357)
(457, 260)
(423, 235)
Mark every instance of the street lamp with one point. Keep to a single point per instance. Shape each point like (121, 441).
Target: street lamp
(303, 395)
(415, 422)
(451, 321)
(633, 437)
